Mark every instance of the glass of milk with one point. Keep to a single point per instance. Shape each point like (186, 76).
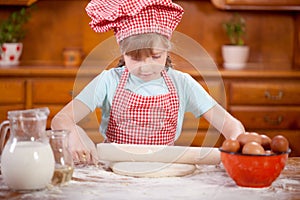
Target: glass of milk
(27, 160)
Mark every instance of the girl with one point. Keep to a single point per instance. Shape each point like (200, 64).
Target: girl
(143, 101)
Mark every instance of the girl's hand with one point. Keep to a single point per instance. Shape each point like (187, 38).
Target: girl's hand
(82, 147)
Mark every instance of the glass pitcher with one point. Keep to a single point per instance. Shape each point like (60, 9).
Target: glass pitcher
(27, 161)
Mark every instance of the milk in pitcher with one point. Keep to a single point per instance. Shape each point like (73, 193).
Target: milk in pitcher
(27, 165)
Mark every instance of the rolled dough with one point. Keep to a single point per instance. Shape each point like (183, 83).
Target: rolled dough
(152, 169)
(158, 153)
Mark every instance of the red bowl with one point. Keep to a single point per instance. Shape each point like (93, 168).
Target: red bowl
(255, 171)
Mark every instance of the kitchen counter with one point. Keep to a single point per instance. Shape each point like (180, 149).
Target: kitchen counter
(207, 182)
(58, 70)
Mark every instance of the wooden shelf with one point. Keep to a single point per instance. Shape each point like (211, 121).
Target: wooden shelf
(264, 2)
(17, 2)
(288, 5)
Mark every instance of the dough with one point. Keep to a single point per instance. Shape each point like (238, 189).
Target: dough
(152, 169)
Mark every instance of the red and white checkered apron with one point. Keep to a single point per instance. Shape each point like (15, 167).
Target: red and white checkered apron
(138, 119)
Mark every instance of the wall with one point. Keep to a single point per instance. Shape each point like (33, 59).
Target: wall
(64, 23)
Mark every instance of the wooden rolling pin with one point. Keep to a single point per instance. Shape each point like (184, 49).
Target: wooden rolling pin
(158, 153)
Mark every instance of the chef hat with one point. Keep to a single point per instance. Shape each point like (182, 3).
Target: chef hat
(131, 17)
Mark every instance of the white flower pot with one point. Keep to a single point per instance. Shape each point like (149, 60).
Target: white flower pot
(234, 56)
(10, 54)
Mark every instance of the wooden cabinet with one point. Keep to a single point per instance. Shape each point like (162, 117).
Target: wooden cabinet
(267, 106)
(52, 91)
(257, 4)
(265, 92)
(53, 87)
(12, 95)
(264, 101)
(12, 91)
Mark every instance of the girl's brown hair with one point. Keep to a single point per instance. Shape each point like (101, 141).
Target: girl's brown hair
(143, 44)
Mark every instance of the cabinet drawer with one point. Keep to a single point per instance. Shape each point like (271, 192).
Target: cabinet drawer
(52, 91)
(267, 117)
(12, 91)
(255, 93)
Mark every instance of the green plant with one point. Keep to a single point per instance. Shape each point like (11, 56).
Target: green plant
(12, 29)
(235, 29)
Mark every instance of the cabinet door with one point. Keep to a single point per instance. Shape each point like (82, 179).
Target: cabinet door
(52, 91)
(12, 91)
(12, 96)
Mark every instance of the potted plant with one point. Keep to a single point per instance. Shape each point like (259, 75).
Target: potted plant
(11, 33)
(236, 53)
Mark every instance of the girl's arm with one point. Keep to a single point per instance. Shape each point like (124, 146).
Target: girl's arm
(81, 146)
(225, 123)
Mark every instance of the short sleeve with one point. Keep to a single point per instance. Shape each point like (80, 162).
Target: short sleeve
(198, 101)
(98, 92)
(193, 97)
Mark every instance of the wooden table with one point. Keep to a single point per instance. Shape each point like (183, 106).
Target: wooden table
(208, 182)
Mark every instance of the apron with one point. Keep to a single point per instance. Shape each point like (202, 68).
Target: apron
(138, 119)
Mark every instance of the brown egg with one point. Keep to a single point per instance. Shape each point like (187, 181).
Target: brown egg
(269, 152)
(249, 137)
(231, 145)
(265, 142)
(253, 148)
(279, 144)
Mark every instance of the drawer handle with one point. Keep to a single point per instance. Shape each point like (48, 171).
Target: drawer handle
(276, 121)
(279, 96)
(71, 93)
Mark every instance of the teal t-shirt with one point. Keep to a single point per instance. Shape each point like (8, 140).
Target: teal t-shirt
(100, 91)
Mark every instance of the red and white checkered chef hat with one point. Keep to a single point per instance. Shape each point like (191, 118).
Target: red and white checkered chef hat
(131, 17)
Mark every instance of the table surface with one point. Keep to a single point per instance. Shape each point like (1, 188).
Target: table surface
(207, 182)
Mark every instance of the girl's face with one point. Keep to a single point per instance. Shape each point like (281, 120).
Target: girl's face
(146, 66)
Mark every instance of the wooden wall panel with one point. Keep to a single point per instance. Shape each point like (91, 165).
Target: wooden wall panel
(297, 43)
(64, 23)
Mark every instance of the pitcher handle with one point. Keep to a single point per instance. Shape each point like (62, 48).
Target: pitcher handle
(4, 126)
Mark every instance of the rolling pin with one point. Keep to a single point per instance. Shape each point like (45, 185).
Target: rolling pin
(158, 153)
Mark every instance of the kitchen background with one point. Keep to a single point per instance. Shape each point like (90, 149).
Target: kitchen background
(273, 36)
(265, 98)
